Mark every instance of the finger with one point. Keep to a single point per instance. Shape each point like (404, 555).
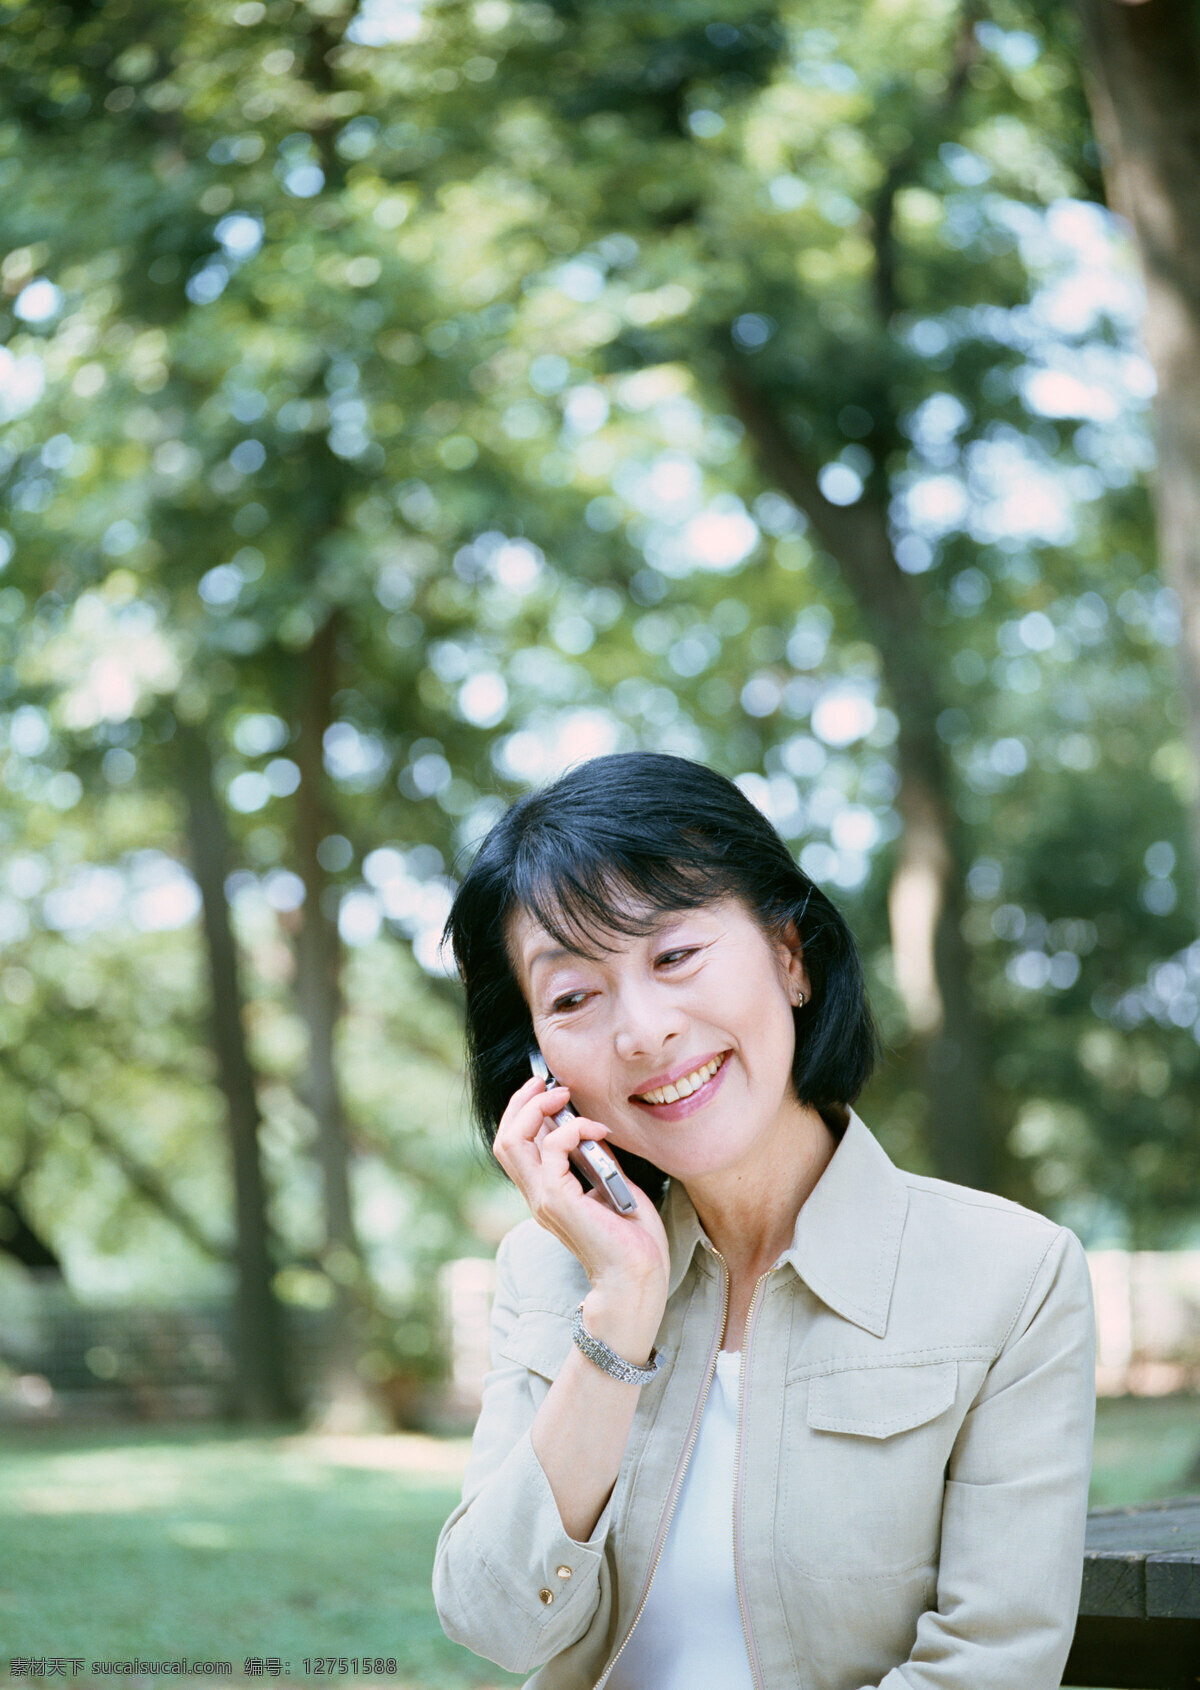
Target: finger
(527, 1109)
(516, 1145)
(531, 1121)
(585, 1129)
(534, 1092)
(546, 1150)
(592, 1129)
(555, 1151)
(519, 1098)
(565, 1136)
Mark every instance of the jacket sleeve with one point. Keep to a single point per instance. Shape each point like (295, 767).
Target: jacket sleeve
(1015, 1506)
(508, 1581)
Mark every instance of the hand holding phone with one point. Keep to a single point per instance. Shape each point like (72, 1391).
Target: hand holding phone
(591, 1162)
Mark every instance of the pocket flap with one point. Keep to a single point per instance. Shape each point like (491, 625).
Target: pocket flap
(875, 1402)
(540, 1340)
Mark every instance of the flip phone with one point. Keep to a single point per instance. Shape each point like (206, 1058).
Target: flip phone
(593, 1164)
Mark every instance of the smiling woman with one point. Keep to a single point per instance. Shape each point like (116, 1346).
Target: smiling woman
(796, 1406)
(611, 853)
(690, 1022)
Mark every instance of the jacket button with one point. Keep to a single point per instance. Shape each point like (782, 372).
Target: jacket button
(547, 1596)
(563, 1572)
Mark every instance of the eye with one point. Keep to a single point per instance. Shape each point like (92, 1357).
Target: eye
(569, 1001)
(672, 959)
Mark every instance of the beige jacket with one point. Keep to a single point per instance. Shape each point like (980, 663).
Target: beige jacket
(914, 1447)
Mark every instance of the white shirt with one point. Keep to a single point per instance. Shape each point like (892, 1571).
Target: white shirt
(690, 1636)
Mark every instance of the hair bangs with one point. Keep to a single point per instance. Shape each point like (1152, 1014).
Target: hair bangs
(583, 900)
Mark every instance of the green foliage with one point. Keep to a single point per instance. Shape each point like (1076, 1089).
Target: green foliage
(443, 338)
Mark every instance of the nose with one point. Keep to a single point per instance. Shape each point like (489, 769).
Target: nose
(648, 1022)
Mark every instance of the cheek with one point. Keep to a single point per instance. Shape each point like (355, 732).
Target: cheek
(574, 1059)
(760, 999)
(772, 1027)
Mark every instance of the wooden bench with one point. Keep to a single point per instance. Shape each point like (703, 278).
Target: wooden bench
(1139, 1611)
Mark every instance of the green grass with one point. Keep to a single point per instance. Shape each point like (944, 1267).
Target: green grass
(171, 1542)
(1146, 1447)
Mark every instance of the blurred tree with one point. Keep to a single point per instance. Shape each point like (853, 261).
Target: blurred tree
(408, 401)
(264, 1390)
(822, 226)
(1145, 70)
(22, 1240)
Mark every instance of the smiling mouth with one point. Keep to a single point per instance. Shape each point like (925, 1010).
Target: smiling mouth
(687, 1085)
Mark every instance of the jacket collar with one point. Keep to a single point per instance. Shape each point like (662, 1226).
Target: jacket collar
(847, 1238)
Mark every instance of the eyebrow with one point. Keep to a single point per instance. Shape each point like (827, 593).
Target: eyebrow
(548, 953)
(663, 919)
(557, 954)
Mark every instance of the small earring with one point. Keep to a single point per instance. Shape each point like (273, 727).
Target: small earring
(800, 1001)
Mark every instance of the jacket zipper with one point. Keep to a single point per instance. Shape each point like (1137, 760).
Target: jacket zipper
(738, 1470)
(677, 1481)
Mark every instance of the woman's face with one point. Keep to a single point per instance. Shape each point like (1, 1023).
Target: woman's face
(705, 999)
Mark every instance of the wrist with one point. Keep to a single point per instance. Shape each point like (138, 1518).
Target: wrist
(627, 1324)
(608, 1360)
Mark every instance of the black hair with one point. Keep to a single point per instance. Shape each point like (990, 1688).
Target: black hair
(607, 849)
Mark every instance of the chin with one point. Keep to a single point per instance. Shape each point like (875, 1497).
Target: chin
(696, 1166)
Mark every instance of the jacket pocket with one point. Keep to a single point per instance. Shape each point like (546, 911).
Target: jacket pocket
(540, 1340)
(877, 1402)
(863, 1468)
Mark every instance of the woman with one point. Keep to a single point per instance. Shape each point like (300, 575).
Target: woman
(802, 1419)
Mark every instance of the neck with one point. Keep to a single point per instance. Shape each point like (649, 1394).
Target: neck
(749, 1213)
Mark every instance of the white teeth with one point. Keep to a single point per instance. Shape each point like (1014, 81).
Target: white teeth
(684, 1087)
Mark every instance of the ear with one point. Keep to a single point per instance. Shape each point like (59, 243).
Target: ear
(790, 952)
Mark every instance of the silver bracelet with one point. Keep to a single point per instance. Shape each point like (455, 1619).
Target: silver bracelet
(608, 1361)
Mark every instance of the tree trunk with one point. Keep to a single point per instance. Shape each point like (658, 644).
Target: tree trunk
(348, 1402)
(1144, 87)
(931, 957)
(263, 1392)
(21, 1240)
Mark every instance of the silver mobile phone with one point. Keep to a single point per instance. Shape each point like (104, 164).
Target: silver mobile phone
(591, 1161)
